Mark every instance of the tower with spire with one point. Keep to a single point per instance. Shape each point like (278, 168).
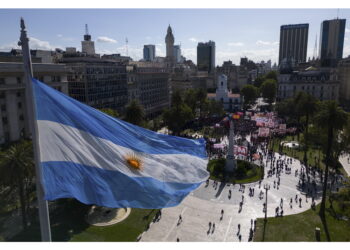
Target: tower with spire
(87, 46)
(169, 41)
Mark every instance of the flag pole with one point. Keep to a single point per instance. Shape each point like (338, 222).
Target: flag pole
(28, 73)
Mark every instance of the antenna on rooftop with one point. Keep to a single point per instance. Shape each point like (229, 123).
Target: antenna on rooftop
(126, 46)
(337, 13)
(86, 29)
(315, 49)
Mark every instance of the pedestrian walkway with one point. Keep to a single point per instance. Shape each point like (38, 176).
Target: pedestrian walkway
(202, 208)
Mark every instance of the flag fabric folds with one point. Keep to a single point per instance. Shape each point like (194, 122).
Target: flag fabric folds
(97, 159)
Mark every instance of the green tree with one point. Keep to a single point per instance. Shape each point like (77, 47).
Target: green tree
(271, 75)
(176, 99)
(268, 90)
(135, 113)
(250, 93)
(191, 99)
(307, 107)
(286, 109)
(16, 170)
(333, 118)
(110, 112)
(259, 81)
(215, 108)
(201, 96)
(177, 117)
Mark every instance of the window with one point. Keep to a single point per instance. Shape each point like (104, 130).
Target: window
(2, 81)
(4, 120)
(18, 94)
(21, 118)
(222, 83)
(19, 105)
(3, 107)
(19, 80)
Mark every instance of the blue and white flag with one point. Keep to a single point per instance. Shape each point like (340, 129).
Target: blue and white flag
(97, 159)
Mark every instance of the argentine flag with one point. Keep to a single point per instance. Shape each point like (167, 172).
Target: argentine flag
(97, 159)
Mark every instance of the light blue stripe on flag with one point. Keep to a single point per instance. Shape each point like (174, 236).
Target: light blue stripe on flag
(85, 154)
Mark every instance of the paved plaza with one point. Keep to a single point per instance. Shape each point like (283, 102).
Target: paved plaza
(204, 205)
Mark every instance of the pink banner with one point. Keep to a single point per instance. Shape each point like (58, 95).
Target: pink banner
(264, 132)
(240, 150)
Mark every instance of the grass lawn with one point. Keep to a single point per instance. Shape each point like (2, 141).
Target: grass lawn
(68, 224)
(246, 172)
(301, 227)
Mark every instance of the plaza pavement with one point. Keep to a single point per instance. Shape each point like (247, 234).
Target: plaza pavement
(344, 162)
(204, 205)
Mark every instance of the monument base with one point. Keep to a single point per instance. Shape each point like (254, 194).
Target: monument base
(230, 165)
(103, 216)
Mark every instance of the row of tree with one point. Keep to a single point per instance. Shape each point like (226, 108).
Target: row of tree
(266, 86)
(189, 105)
(324, 124)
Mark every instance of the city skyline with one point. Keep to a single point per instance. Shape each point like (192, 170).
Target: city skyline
(254, 33)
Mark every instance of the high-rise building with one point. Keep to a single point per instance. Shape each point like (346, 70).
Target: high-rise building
(177, 53)
(332, 42)
(148, 82)
(99, 83)
(87, 46)
(206, 56)
(149, 52)
(14, 123)
(293, 42)
(169, 41)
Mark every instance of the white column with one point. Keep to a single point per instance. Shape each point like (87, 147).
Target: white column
(230, 161)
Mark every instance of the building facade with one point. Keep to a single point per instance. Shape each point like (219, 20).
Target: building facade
(14, 123)
(99, 83)
(149, 52)
(293, 42)
(230, 101)
(323, 84)
(206, 57)
(344, 79)
(332, 42)
(149, 83)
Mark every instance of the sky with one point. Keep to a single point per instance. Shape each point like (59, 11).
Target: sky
(253, 33)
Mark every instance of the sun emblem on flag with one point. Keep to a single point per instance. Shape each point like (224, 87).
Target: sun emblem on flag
(134, 161)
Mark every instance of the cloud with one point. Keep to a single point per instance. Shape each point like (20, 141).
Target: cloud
(66, 39)
(193, 39)
(148, 38)
(160, 52)
(236, 44)
(346, 51)
(347, 30)
(260, 42)
(189, 53)
(34, 43)
(104, 39)
(9, 46)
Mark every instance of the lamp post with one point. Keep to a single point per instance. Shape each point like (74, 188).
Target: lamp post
(267, 188)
